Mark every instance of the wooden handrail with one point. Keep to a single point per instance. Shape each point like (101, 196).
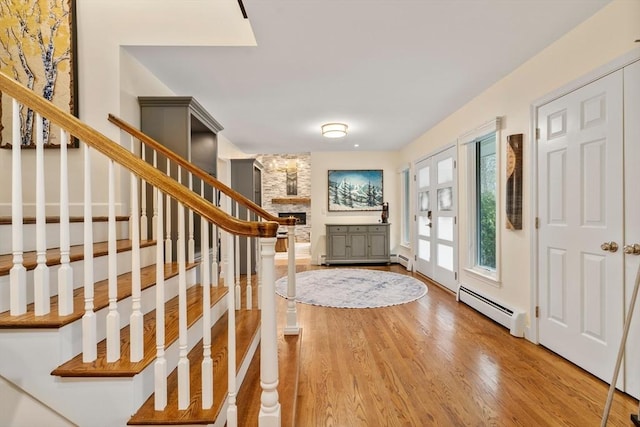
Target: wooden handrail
(142, 169)
(200, 173)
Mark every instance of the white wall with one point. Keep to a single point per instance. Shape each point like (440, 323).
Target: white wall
(321, 162)
(18, 409)
(602, 38)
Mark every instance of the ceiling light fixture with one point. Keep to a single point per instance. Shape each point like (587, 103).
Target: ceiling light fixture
(334, 130)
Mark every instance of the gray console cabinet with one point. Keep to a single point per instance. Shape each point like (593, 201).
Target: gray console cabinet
(357, 243)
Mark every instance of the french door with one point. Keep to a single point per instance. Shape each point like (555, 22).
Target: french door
(436, 218)
(581, 207)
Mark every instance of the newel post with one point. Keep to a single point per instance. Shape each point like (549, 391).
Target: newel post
(269, 403)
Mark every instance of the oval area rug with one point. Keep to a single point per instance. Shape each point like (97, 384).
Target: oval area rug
(353, 288)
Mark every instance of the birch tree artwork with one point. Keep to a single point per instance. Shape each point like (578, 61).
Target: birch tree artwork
(36, 50)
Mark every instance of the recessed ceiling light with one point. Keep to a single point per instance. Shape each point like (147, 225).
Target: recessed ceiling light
(356, 145)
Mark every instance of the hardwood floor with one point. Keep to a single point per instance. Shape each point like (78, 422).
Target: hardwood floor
(436, 362)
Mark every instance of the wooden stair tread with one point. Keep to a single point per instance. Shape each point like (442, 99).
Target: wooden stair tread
(289, 351)
(6, 220)
(101, 300)
(247, 326)
(123, 367)
(76, 254)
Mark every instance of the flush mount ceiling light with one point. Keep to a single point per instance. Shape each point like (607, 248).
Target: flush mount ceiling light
(334, 130)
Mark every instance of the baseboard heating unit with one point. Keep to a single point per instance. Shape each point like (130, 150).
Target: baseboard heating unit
(507, 317)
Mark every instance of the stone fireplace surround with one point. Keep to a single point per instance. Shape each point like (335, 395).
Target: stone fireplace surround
(274, 189)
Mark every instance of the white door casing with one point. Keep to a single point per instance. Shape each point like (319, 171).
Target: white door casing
(580, 187)
(436, 217)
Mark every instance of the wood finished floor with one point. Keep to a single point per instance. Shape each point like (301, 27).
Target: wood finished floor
(436, 362)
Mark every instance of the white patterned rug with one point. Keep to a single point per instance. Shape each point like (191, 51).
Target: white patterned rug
(353, 288)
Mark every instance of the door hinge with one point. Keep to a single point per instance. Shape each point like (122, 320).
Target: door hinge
(454, 164)
(414, 177)
(415, 257)
(537, 311)
(415, 217)
(537, 223)
(455, 275)
(537, 133)
(455, 220)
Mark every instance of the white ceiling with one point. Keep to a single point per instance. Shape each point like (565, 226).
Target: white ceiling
(390, 69)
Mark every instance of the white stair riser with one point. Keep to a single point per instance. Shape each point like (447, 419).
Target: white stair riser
(85, 401)
(100, 272)
(52, 233)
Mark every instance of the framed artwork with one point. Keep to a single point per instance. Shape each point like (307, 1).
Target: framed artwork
(355, 190)
(514, 182)
(37, 48)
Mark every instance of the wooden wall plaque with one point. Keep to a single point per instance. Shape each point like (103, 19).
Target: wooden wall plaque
(514, 182)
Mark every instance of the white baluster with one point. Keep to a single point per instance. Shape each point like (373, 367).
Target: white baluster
(207, 362)
(144, 225)
(42, 295)
(191, 243)
(168, 245)
(155, 224)
(259, 274)
(214, 256)
(232, 409)
(160, 366)
(136, 326)
(183, 362)
(230, 270)
(270, 406)
(238, 301)
(113, 317)
(65, 272)
(291, 327)
(184, 397)
(249, 290)
(89, 336)
(18, 273)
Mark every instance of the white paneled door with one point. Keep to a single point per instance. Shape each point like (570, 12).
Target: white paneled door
(436, 218)
(632, 221)
(580, 209)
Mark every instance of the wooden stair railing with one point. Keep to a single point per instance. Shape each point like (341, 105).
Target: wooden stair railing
(292, 327)
(198, 172)
(142, 169)
(164, 186)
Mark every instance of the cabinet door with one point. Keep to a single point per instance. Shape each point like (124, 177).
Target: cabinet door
(378, 246)
(337, 247)
(358, 246)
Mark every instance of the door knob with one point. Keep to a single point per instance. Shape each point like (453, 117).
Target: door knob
(609, 246)
(632, 249)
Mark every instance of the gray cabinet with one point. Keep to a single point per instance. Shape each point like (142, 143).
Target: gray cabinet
(357, 243)
(246, 179)
(181, 124)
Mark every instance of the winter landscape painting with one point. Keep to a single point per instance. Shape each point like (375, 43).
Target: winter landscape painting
(36, 49)
(355, 190)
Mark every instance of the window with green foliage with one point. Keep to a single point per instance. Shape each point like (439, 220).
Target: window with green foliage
(486, 194)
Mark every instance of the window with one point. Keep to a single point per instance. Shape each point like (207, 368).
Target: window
(405, 222)
(483, 201)
(486, 194)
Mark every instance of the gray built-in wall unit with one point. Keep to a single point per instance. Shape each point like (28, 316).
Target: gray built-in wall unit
(181, 124)
(246, 179)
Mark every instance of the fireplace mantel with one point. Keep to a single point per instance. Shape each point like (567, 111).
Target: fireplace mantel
(291, 201)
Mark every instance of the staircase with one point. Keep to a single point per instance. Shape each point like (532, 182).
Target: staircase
(100, 324)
